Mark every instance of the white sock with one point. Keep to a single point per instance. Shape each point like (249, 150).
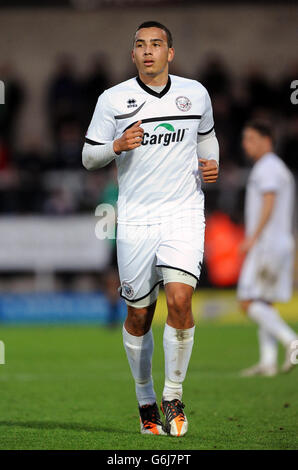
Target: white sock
(268, 348)
(139, 350)
(177, 349)
(267, 317)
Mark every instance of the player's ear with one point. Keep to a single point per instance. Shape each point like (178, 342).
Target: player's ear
(133, 56)
(171, 54)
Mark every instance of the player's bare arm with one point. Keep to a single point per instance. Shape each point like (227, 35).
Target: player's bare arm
(209, 170)
(130, 139)
(266, 212)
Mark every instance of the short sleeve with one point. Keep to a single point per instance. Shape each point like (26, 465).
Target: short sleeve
(102, 127)
(206, 123)
(268, 178)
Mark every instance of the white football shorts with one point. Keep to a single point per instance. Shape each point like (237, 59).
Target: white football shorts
(145, 252)
(267, 272)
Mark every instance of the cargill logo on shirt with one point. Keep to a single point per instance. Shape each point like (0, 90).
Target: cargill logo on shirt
(164, 138)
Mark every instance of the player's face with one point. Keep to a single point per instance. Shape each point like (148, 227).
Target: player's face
(253, 143)
(151, 53)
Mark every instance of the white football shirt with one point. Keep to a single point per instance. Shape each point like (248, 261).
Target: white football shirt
(270, 174)
(160, 178)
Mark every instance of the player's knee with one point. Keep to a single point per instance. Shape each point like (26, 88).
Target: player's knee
(244, 304)
(138, 320)
(179, 310)
(179, 301)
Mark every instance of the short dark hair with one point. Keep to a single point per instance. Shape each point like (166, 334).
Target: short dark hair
(263, 127)
(156, 24)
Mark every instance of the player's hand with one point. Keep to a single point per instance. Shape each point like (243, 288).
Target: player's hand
(209, 170)
(130, 139)
(246, 245)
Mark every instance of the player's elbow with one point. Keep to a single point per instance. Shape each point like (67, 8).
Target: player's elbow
(87, 163)
(87, 159)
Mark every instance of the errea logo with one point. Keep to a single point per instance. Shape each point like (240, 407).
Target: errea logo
(131, 103)
(164, 138)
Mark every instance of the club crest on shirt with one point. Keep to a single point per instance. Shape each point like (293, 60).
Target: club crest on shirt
(127, 289)
(183, 103)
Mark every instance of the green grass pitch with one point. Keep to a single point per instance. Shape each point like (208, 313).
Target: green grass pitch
(70, 388)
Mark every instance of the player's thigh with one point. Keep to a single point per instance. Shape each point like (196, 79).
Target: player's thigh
(247, 287)
(267, 273)
(182, 246)
(284, 275)
(136, 256)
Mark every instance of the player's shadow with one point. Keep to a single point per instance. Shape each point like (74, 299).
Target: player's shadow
(57, 425)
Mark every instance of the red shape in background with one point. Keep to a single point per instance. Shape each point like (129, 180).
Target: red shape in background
(4, 155)
(222, 241)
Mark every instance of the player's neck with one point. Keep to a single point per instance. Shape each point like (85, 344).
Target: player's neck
(263, 152)
(157, 80)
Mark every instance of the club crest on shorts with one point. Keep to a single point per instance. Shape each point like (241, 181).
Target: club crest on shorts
(183, 103)
(127, 289)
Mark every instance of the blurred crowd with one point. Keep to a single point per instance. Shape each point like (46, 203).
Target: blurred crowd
(36, 180)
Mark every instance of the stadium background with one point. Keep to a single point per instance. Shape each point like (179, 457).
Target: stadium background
(54, 63)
